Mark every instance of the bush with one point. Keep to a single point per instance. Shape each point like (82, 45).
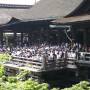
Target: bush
(55, 89)
(22, 75)
(11, 83)
(4, 57)
(83, 85)
(4, 78)
(2, 71)
(12, 79)
(33, 85)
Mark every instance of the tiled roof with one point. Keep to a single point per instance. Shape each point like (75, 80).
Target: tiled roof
(45, 9)
(73, 19)
(52, 9)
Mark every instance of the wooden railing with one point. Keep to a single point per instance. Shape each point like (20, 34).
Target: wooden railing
(53, 64)
(36, 64)
(84, 56)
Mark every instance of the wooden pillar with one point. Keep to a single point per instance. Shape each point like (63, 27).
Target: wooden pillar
(22, 39)
(15, 37)
(73, 31)
(85, 39)
(29, 39)
(1, 38)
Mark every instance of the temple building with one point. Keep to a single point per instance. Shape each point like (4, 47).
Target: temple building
(79, 24)
(25, 22)
(51, 22)
(8, 9)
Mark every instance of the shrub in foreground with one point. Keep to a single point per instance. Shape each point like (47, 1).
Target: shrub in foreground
(2, 71)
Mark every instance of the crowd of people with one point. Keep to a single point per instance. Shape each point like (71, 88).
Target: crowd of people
(51, 51)
(45, 53)
(64, 50)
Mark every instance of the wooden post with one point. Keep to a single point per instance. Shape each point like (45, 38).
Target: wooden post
(15, 37)
(1, 38)
(44, 63)
(85, 39)
(22, 39)
(29, 39)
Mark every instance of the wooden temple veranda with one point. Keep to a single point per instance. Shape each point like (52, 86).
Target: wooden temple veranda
(48, 18)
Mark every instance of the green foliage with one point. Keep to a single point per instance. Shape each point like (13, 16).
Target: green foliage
(84, 85)
(55, 89)
(13, 83)
(8, 86)
(23, 74)
(4, 78)
(4, 57)
(12, 79)
(33, 85)
(16, 83)
(2, 71)
(22, 85)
